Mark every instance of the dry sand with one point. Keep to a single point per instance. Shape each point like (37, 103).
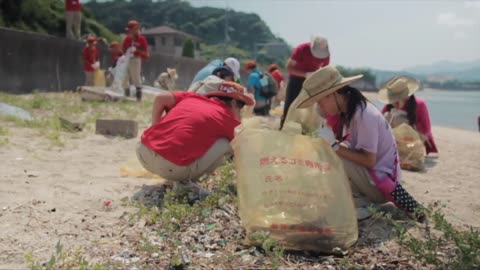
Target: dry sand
(50, 194)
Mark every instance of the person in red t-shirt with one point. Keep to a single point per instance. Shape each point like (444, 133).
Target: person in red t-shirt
(73, 18)
(90, 59)
(191, 132)
(135, 45)
(279, 79)
(306, 58)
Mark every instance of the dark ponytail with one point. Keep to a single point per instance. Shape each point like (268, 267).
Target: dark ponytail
(412, 110)
(354, 98)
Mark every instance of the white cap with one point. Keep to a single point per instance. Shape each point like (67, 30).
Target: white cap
(234, 65)
(319, 46)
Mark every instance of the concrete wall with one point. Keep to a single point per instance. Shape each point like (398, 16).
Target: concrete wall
(30, 61)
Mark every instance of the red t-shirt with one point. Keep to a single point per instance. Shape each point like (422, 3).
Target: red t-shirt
(278, 76)
(73, 5)
(304, 59)
(140, 44)
(114, 57)
(90, 56)
(190, 128)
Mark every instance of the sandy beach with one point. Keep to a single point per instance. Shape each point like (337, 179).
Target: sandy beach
(50, 194)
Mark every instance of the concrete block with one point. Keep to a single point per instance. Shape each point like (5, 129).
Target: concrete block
(71, 124)
(124, 128)
(93, 93)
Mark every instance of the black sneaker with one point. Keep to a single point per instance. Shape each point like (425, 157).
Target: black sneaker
(138, 94)
(127, 92)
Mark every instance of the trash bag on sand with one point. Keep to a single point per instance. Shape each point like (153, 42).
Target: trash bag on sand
(410, 148)
(99, 78)
(133, 168)
(294, 187)
(307, 117)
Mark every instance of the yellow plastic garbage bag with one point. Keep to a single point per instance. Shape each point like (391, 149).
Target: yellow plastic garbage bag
(133, 168)
(294, 187)
(307, 117)
(410, 148)
(99, 78)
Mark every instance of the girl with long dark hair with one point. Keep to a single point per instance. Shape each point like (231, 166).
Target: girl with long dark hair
(402, 106)
(369, 150)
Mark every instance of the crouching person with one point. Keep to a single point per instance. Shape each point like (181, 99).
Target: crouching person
(369, 154)
(191, 133)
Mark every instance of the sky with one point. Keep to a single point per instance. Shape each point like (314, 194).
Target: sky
(383, 34)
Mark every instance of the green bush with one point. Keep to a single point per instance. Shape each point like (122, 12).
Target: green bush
(188, 49)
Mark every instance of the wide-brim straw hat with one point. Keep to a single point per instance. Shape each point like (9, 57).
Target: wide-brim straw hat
(323, 82)
(398, 89)
(173, 73)
(214, 86)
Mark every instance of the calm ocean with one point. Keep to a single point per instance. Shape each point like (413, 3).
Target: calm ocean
(451, 108)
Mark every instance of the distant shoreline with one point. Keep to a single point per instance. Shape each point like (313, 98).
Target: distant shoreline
(440, 89)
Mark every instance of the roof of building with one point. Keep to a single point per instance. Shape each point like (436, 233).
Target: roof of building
(159, 30)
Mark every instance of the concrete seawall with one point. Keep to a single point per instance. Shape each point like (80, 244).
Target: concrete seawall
(30, 61)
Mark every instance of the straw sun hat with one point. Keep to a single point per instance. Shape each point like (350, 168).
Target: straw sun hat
(322, 82)
(398, 89)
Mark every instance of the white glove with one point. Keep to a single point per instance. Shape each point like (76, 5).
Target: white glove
(130, 51)
(327, 134)
(96, 65)
(396, 112)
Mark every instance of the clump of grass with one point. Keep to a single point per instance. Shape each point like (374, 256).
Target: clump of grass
(63, 260)
(3, 136)
(3, 131)
(442, 245)
(272, 247)
(176, 210)
(46, 108)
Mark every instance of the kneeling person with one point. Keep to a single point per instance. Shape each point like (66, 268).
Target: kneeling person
(191, 133)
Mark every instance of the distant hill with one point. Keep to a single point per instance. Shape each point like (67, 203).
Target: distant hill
(245, 30)
(461, 71)
(384, 75)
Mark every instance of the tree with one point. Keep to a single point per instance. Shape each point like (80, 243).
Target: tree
(188, 49)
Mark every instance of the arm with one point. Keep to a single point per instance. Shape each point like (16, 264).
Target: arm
(143, 48)
(423, 124)
(293, 70)
(360, 157)
(162, 103)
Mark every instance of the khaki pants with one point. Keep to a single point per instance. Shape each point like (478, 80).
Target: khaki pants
(88, 78)
(363, 187)
(73, 20)
(133, 73)
(206, 164)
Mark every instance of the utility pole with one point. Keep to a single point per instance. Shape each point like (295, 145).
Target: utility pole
(226, 37)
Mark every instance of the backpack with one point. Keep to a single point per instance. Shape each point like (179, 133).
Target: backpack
(268, 86)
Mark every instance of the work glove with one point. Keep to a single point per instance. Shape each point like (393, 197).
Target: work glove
(327, 134)
(96, 65)
(396, 112)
